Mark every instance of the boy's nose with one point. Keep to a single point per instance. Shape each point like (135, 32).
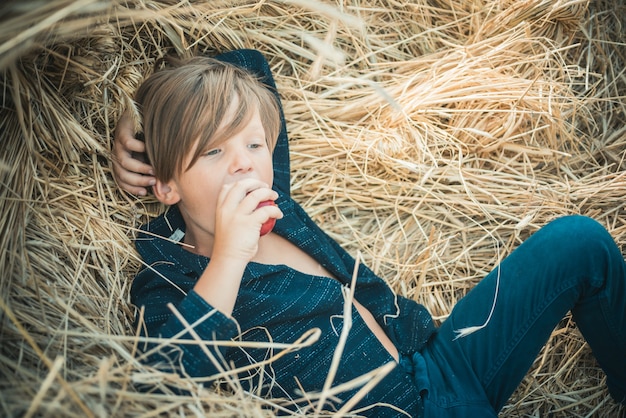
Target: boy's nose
(241, 163)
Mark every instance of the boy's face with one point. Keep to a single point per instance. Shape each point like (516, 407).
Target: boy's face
(242, 156)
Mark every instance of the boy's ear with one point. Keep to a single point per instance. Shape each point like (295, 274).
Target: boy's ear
(166, 192)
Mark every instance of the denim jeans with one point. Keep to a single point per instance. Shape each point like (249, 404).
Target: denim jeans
(572, 264)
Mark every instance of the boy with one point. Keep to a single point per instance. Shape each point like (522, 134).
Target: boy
(210, 128)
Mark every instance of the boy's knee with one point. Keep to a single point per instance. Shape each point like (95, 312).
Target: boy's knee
(579, 246)
(576, 238)
(578, 229)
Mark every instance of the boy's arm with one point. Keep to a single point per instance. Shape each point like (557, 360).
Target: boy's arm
(235, 240)
(219, 283)
(164, 302)
(205, 304)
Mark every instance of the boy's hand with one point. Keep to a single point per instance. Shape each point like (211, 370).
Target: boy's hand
(130, 173)
(238, 218)
(238, 221)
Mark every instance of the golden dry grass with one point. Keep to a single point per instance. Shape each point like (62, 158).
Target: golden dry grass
(425, 134)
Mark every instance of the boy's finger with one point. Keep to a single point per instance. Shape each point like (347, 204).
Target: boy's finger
(130, 187)
(262, 194)
(234, 195)
(131, 182)
(133, 144)
(244, 187)
(136, 166)
(138, 191)
(269, 211)
(137, 180)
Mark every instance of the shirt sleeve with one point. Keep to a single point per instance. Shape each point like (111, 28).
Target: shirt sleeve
(173, 310)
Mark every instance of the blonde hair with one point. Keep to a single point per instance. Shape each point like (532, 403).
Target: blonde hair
(184, 104)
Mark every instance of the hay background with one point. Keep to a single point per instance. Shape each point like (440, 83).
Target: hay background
(422, 133)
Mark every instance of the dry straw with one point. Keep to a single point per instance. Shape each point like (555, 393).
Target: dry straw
(425, 135)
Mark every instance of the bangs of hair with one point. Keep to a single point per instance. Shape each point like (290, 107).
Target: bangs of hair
(184, 107)
(246, 98)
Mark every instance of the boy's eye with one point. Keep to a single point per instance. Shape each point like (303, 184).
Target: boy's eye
(255, 145)
(212, 152)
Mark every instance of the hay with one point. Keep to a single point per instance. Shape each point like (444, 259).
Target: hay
(431, 136)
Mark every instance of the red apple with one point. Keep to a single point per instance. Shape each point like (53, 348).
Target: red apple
(269, 224)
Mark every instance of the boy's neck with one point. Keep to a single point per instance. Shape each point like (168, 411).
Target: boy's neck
(197, 243)
(194, 247)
